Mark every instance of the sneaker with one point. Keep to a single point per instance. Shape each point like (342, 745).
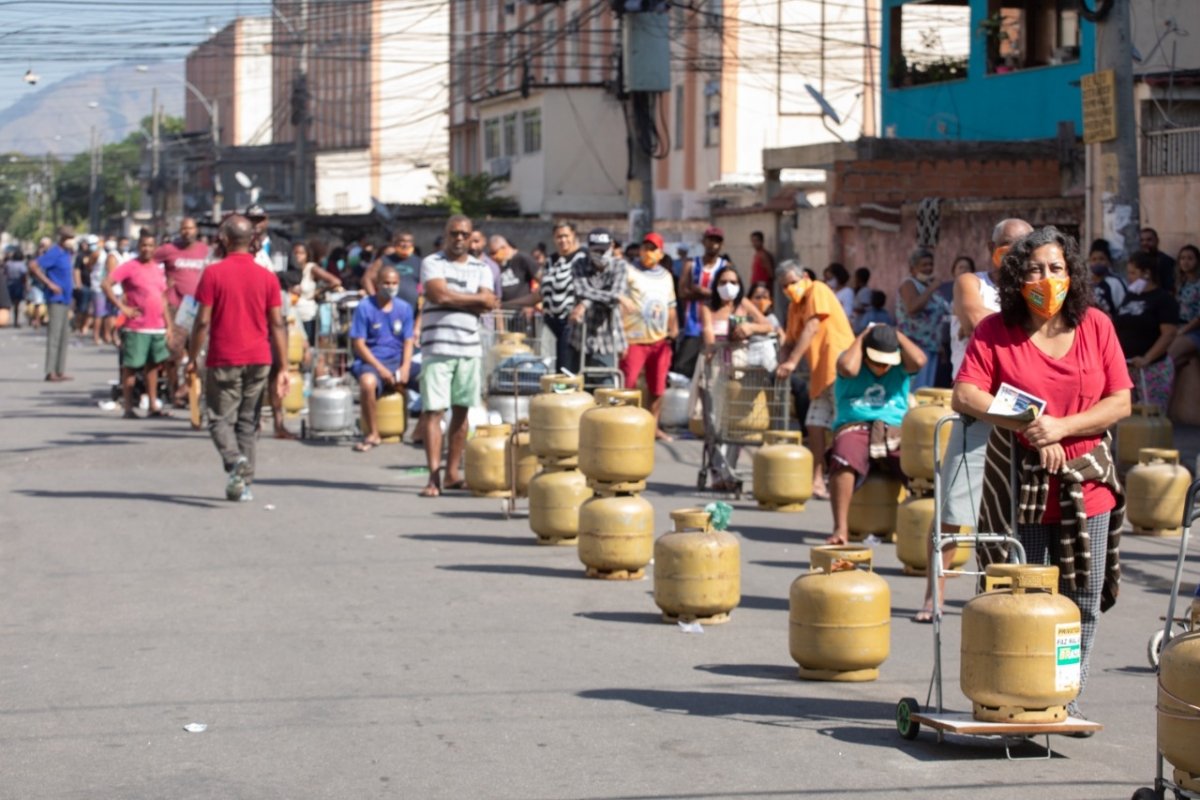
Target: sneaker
(247, 495)
(236, 484)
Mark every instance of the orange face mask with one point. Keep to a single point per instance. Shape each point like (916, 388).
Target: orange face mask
(797, 290)
(1046, 297)
(763, 304)
(998, 255)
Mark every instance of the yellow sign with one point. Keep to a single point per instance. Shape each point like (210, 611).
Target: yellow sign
(1099, 107)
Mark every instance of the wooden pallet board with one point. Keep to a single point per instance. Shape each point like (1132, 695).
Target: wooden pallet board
(966, 724)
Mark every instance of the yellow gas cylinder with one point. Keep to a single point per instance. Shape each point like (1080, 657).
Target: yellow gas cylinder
(873, 506)
(616, 440)
(839, 619)
(1145, 427)
(1021, 646)
(508, 344)
(916, 433)
(391, 416)
(554, 416)
(1179, 708)
(520, 461)
(747, 414)
(783, 472)
(555, 497)
(293, 401)
(914, 527)
(193, 393)
(485, 461)
(1155, 493)
(295, 344)
(616, 536)
(697, 570)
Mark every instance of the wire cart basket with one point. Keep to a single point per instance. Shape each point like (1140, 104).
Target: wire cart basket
(334, 315)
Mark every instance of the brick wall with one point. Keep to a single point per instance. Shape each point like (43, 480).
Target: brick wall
(892, 182)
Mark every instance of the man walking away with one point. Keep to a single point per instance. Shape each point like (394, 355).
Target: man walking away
(53, 268)
(241, 314)
(458, 288)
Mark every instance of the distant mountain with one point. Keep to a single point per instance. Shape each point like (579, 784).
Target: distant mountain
(58, 119)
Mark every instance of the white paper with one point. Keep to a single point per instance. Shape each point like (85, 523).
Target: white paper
(1012, 402)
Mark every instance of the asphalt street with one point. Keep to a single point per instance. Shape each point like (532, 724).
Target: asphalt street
(341, 637)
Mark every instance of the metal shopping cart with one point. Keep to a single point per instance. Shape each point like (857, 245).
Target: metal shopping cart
(516, 353)
(332, 351)
(740, 399)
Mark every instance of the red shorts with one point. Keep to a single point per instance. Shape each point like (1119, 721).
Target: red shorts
(851, 449)
(655, 359)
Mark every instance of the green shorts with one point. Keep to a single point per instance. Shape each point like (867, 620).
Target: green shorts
(141, 349)
(449, 381)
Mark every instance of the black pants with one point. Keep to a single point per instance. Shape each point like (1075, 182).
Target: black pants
(566, 357)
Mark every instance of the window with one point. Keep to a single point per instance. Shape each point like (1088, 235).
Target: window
(680, 131)
(572, 38)
(929, 42)
(510, 134)
(1020, 34)
(549, 55)
(491, 138)
(531, 125)
(712, 114)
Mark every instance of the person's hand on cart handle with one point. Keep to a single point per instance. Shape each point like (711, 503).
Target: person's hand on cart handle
(785, 370)
(283, 383)
(1137, 362)
(578, 312)
(1053, 458)
(1046, 430)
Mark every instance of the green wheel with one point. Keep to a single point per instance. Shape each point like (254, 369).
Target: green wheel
(906, 726)
(1146, 794)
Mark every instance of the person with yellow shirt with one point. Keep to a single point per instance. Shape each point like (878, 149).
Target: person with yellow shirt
(650, 321)
(817, 329)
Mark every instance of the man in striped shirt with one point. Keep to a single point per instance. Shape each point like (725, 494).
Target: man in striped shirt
(458, 288)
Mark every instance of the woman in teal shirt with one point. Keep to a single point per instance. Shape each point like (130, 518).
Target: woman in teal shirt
(871, 395)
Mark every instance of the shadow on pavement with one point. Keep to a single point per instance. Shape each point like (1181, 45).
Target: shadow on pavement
(495, 516)
(725, 704)
(797, 566)
(636, 617)
(515, 569)
(955, 748)
(774, 672)
(764, 603)
(315, 483)
(455, 538)
(192, 501)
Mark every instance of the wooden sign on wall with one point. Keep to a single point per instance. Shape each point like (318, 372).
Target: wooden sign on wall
(1099, 107)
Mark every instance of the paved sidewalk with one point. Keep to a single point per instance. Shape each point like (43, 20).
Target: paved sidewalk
(342, 638)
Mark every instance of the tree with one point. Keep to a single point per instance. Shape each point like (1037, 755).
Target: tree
(24, 205)
(472, 195)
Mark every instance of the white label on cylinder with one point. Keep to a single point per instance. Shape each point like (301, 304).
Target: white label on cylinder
(1068, 648)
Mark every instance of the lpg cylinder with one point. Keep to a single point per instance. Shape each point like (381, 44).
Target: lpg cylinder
(616, 439)
(747, 414)
(520, 461)
(1021, 646)
(616, 536)
(914, 527)
(391, 416)
(673, 412)
(293, 402)
(485, 463)
(839, 619)
(783, 472)
(873, 506)
(330, 407)
(554, 416)
(1179, 708)
(697, 570)
(1145, 427)
(1155, 493)
(508, 344)
(194, 392)
(916, 432)
(295, 344)
(555, 497)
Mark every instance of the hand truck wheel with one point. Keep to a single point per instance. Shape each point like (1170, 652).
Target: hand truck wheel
(906, 726)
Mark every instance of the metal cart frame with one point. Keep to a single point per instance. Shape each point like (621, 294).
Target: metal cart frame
(1161, 782)
(909, 716)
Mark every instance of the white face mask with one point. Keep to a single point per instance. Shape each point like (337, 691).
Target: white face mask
(728, 291)
(1138, 286)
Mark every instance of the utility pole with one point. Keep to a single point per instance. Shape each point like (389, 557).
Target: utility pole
(93, 212)
(645, 64)
(301, 119)
(214, 117)
(1118, 157)
(155, 162)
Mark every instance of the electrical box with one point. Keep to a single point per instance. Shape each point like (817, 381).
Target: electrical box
(646, 44)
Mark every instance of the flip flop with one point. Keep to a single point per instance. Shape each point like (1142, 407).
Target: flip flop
(365, 446)
(284, 434)
(924, 617)
(455, 486)
(836, 540)
(129, 415)
(161, 414)
(820, 495)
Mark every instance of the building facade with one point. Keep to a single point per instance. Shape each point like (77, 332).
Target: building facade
(232, 70)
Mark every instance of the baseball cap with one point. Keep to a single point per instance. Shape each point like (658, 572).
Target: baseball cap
(599, 237)
(882, 346)
(654, 239)
(713, 232)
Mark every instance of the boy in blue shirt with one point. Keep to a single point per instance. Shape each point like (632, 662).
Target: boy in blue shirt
(381, 335)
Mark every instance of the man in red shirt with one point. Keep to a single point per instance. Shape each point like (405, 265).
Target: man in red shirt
(183, 260)
(241, 314)
(762, 268)
(142, 301)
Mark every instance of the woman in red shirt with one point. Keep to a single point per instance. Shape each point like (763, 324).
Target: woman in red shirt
(1048, 341)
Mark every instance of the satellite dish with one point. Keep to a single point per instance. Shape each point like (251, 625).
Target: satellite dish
(243, 179)
(826, 109)
(254, 193)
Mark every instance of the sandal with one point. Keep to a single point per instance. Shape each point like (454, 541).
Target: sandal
(129, 415)
(433, 488)
(925, 616)
(365, 446)
(836, 540)
(456, 486)
(161, 413)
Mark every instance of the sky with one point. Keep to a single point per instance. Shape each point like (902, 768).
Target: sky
(58, 38)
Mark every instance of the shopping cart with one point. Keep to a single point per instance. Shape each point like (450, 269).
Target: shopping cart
(741, 399)
(332, 352)
(516, 353)
(909, 714)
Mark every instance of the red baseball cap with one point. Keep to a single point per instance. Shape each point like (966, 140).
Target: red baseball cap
(713, 232)
(654, 239)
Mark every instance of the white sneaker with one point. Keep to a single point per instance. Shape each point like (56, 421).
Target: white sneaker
(247, 495)
(235, 485)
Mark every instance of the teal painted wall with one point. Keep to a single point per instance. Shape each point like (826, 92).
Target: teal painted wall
(1026, 104)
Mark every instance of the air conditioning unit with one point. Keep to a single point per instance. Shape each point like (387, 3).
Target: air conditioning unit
(500, 167)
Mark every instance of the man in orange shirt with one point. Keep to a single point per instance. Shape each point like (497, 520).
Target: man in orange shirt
(817, 329)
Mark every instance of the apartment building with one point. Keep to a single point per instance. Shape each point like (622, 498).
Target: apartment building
(534, 96)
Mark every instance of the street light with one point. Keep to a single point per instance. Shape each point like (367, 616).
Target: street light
(214, 115)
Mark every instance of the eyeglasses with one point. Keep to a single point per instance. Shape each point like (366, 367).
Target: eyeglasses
(458, 234)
